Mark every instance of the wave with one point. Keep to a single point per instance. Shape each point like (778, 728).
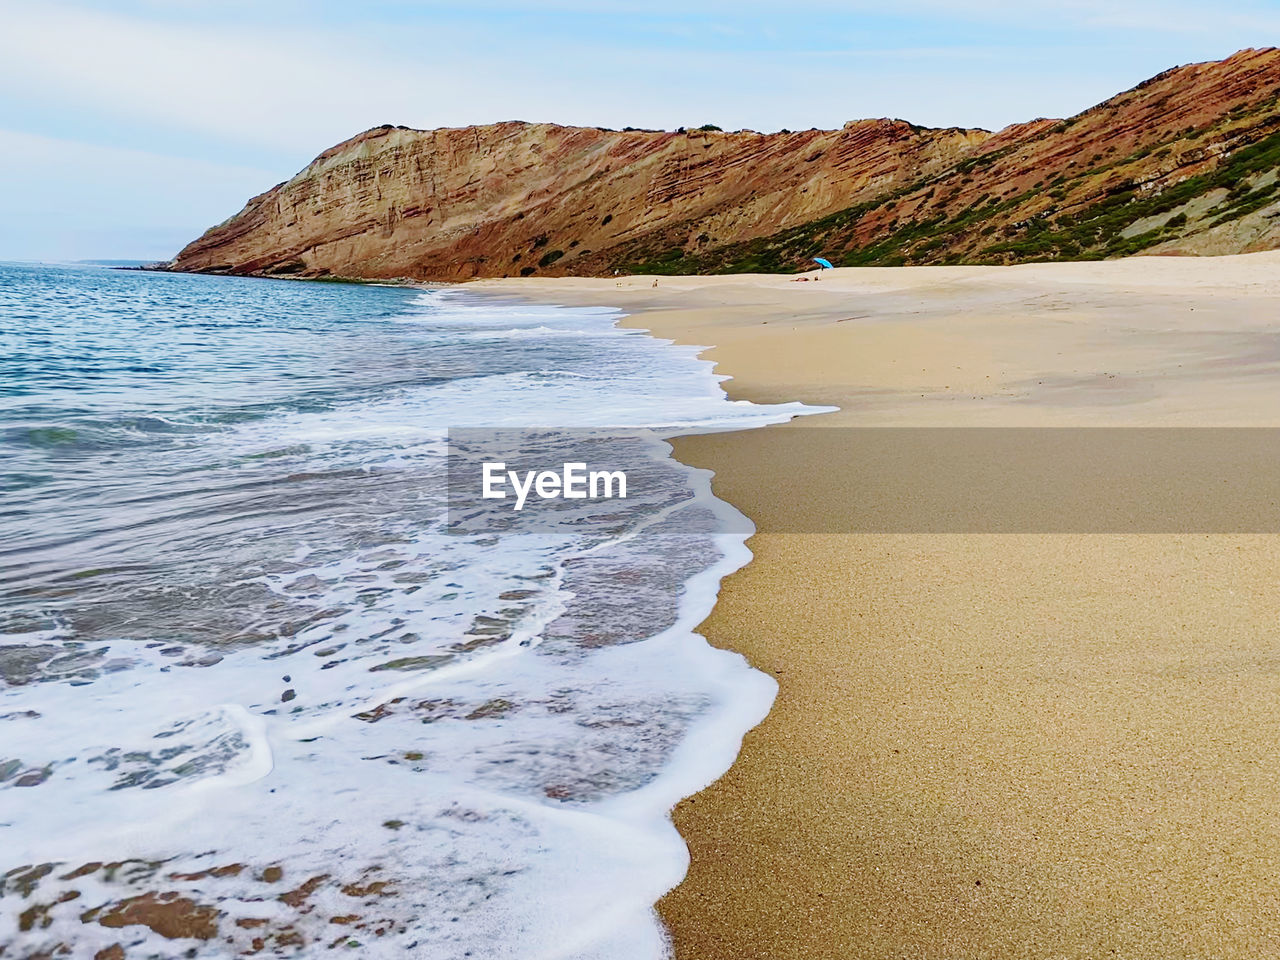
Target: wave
(272, 686)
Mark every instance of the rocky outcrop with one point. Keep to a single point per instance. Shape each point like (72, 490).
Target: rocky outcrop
(1185, 162)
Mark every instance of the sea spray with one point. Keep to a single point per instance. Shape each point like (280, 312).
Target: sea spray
(259, 696)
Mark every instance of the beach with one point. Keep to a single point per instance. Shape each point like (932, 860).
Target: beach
(272, 680)
(1023, 744)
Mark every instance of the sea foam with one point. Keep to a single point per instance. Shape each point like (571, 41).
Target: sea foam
(308, 717)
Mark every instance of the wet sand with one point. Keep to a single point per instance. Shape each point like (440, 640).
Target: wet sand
(985, 745)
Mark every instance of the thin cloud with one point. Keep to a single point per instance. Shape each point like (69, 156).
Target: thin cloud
(63, 199)
(276, 81)
(274, 89)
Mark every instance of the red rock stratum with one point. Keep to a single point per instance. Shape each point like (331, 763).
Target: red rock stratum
(1185, 162)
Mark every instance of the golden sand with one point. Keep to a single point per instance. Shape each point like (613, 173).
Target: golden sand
(987, 745)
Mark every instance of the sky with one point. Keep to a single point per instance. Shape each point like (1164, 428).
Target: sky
(128, 128)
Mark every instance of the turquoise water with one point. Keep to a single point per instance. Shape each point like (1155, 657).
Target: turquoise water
(233, 630)
(107, 351)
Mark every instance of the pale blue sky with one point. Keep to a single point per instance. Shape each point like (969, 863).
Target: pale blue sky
(127, 128)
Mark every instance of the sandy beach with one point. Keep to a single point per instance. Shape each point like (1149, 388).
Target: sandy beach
(984, 745)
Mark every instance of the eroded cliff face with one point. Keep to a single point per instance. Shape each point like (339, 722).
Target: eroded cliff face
(1186, 162)
(512, 197)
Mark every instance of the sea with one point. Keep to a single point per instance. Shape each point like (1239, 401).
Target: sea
(260, 696)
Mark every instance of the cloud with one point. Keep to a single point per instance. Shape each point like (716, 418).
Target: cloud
(67, 200)
(270, 90)
(277, 81)
(289, 76)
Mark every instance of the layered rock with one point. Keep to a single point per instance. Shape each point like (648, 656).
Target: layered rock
(1185, 162)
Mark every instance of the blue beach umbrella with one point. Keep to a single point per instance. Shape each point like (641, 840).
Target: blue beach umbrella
(823, 263)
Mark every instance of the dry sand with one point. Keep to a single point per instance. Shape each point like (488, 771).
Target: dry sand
(986, 745)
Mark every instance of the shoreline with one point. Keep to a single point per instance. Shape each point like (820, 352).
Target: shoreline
(507, 734)
(983, 745)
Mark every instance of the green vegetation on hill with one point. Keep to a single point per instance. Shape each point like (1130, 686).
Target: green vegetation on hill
(1097, 213)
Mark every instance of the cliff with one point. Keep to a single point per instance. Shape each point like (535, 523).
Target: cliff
(1186, 162)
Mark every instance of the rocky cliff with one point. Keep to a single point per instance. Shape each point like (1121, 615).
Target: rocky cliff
(1186, 162)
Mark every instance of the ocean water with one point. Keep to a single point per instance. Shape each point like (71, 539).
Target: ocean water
(257, 698)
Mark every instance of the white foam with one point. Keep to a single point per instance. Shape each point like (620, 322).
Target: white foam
(514, 794)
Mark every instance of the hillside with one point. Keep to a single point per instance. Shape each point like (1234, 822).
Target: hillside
(1186, 162)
